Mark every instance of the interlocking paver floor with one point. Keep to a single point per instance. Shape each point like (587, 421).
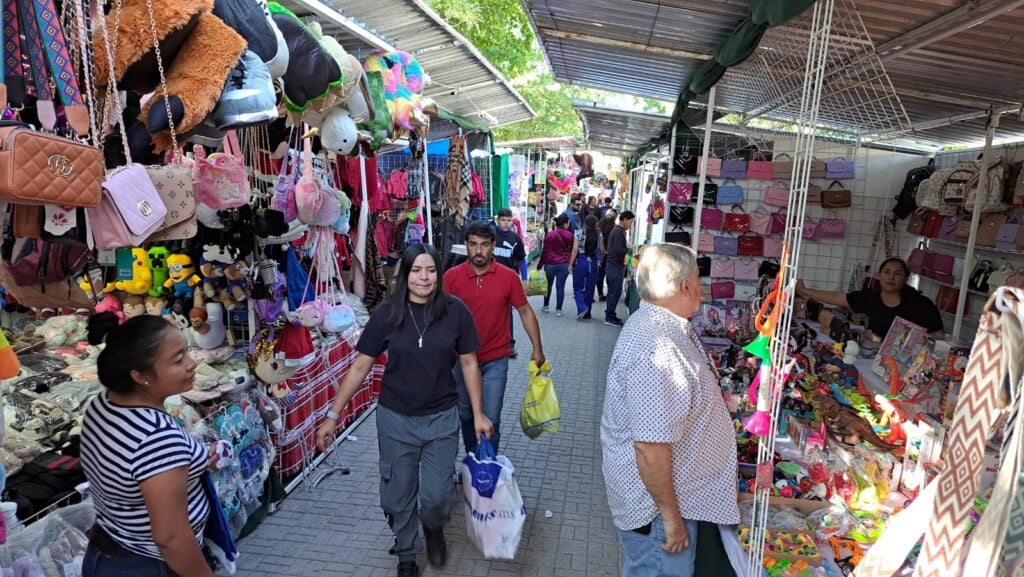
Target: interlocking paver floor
(339, 529)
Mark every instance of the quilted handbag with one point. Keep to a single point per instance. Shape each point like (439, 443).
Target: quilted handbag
(1006, 238)
(723, 268)
(759, 167)
(773, 247)
(678, 237)
(746, 269)
(734, 168)
(680, 215)
(777, 194)
(988, 229)
(130, 211)
(813, 194)
(679, 191)
(819, 168)
(737, 221)
(916, 223)
(723, 290)
(704, 266)
(778, 222)
(915, 261)
(750, 244)
(932, 224)
(947, 228)
(730, 193)
(782, 166)
(726, 245)
(946, 299)
(831, 228)
(40, 168)
(710, 192)
(839, 168)
(220, 180)
(173, 182)
(714, 165)
(963, 230)
(811, 231)
(712, 218)
(836, 198)
(706, 243)
(761, 222)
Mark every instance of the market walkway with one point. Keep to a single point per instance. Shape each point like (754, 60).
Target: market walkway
(339, 529)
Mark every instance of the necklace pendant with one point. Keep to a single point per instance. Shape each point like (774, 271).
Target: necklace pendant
(421, 342)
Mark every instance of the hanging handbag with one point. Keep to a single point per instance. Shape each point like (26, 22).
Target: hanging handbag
(836, 198)
(810, 230)
(953, 190)
(680, 191)
(777, 194)
(714, 165)
(734, 168)
(778, 222)
(941, 267)
(706, 243)
(723, 290)
(681, 215)
(39, 168)
(916, 223)
(678, 237)
(315, 204)
(130, 211)
(746, 269)
(760, 222)
(173, 182)
(839, 168)
(998, 277)
(932, 224)
(819, 168)
(1006, 238)
(711, 218)
(782, 166)
(773, 247)
(813, 194)
(947, 228)
(988, 229)
(220, 179)
(704, 266)
(684, 163)
(284, 188)
(991, 199)
(36, 262)
(979, 277)
(730, 193)
(723, 268)
(736, 221)
(726, 245)
(768, 268)
(832, 227)
(750, 244)
(915, 262)
(946, 299)
(759, 167)
(710, 192)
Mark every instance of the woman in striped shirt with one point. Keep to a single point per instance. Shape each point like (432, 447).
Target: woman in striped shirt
(145, 472)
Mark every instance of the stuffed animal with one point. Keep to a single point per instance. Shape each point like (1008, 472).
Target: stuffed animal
(156, 306)
(236, 274)
(110, 304)
(177, 314)
(311, 314)
(404, 80)
(158, 265)
(311, 78)
(266, 367)
(213, 265)
(181, 275)
(142, 275)
(133, 306)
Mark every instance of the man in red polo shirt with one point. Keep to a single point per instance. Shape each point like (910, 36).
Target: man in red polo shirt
(488, 289)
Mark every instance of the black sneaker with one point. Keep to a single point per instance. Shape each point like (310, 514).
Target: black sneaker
(437, 548)
(408, 569)
(602, 298)
(587, 316)
(614, 322)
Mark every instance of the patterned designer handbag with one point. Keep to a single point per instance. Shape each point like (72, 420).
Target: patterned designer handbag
(916, 223)
(932, 224)
(723, 290)
(777, 195)
(988, 229)
(734, 168)
(750, 244)
(759, 167)
(810, 231)
(839, 168)
(723, 268)
(704, 266)
(929, 192)
(714, 165)
(773, 247)
(760, 222)
(778, 222)
(679, 191)
(947, 228)
(706, 243)
(710, 192)
(746, 269)
(726, 245)
(1006, 238)
(712, 218)
(998, 277)
(819, 168)
(954, 189)
(782, 169)
(813, 194)
(915, 262)
(738, 221)
(680, 215)
(730, 193)
(992, 200)
(173, 182)
(836, 198)
(831, 227)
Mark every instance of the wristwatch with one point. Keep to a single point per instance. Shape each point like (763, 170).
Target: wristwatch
(333, 416)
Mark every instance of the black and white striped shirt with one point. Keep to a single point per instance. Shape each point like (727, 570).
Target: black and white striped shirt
(122, 447)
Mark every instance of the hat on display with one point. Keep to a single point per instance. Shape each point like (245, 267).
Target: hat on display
(295, 347)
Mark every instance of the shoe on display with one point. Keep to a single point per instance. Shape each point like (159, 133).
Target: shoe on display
(437, 548)
(248, 96)
(408, 569)
(614, 322)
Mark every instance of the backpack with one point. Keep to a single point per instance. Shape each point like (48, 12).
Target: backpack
(906, 201)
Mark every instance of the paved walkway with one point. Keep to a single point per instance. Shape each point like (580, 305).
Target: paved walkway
(339, 529)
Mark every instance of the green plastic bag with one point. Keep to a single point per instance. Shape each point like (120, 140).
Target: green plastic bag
(537, 285)
(540, 412)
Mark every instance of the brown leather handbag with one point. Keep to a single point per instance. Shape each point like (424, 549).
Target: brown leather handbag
(836, 198)
(38, 168)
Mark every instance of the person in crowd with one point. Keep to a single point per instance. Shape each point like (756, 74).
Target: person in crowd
(605, 207)
(572, 214)
(584, 274)
(895, 299)
(557, 255)
(424, 331)
(510, 251)
(615, 267)
(144, 471)
(605, 226)
(591, 208)
(489, 289)
(667, 439)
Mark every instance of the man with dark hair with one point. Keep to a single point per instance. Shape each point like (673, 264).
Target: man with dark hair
(573, 214)
(489, 289)
(509, 251)
(605, 225)
(604, 208)
(615, 267)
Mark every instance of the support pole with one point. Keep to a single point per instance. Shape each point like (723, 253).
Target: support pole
(986, 160)
(671, 155)
(703, 168)
(426, 194)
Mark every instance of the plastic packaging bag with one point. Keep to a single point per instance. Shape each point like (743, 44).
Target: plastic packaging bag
(495, 513)
(540, 412)
(537, 285)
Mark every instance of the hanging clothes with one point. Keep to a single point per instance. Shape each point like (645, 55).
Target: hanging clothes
(458, 187)
(376, 282)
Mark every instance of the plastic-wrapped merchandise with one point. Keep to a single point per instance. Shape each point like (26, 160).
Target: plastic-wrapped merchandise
(181, 411)
(11, 463)
(73, 396)
(268, 409)
(39, 383)
(63, 548)
(42, 363)
(22, 447)
(35, 418)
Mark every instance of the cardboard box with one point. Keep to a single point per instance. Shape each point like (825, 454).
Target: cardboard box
(805, 506)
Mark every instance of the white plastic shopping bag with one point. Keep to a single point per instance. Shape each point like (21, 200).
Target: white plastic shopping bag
(494, 507)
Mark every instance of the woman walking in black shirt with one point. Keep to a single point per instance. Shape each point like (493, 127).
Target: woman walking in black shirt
(424, 331)
(584, 270)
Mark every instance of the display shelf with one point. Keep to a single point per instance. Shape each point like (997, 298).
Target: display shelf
(979, 247)
(940, 283)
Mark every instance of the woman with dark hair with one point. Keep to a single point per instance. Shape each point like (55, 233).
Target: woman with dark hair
(558, 253)
(424, 331)
(584, 269)
(895, 299)
(144, 471)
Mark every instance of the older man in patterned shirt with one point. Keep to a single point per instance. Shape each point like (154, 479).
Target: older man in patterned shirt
(668, 442)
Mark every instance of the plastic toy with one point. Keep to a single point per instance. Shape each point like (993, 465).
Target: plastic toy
(182, 276)
(846, 552)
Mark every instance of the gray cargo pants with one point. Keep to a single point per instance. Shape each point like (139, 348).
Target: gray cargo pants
(417, 473)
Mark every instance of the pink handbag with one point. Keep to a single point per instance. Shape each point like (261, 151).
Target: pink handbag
(714, 165)
(723, 290)
(773, 247)
(941, 268)
(811, 231)
(759, 167)
(706, 243)
(129, 211)
(777, 195)
(679, 192)
(831, 227)
(315, 204)
(711, 218)
(723, 268)
(220, 180)
(778, 222)
(915, 262)
(746, 269)
(761, 222)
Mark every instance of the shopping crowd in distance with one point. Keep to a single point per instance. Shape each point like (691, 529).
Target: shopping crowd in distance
(669, 461)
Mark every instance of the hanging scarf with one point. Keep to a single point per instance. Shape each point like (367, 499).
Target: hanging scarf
(458, 186)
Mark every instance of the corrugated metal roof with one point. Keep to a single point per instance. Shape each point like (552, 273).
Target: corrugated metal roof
(618, 132)
(462, 80)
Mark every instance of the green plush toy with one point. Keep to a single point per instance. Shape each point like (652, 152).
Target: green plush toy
(158, 262)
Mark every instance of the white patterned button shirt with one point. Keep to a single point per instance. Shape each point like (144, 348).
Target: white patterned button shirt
(662, 388)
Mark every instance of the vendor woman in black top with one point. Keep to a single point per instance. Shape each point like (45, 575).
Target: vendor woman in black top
(895, 299)
(424, 331)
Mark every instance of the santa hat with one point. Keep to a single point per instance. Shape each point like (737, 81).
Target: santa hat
(295, 346)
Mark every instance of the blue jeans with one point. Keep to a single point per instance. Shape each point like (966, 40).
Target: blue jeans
(494, 375)
(644, 556)
(557, 275)
(584, 278)
(99, 564)
(615, 274)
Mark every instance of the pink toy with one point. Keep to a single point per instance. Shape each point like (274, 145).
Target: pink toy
(220, 181)
(110, 304)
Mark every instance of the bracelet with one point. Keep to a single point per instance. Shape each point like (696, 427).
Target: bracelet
(333, 416)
